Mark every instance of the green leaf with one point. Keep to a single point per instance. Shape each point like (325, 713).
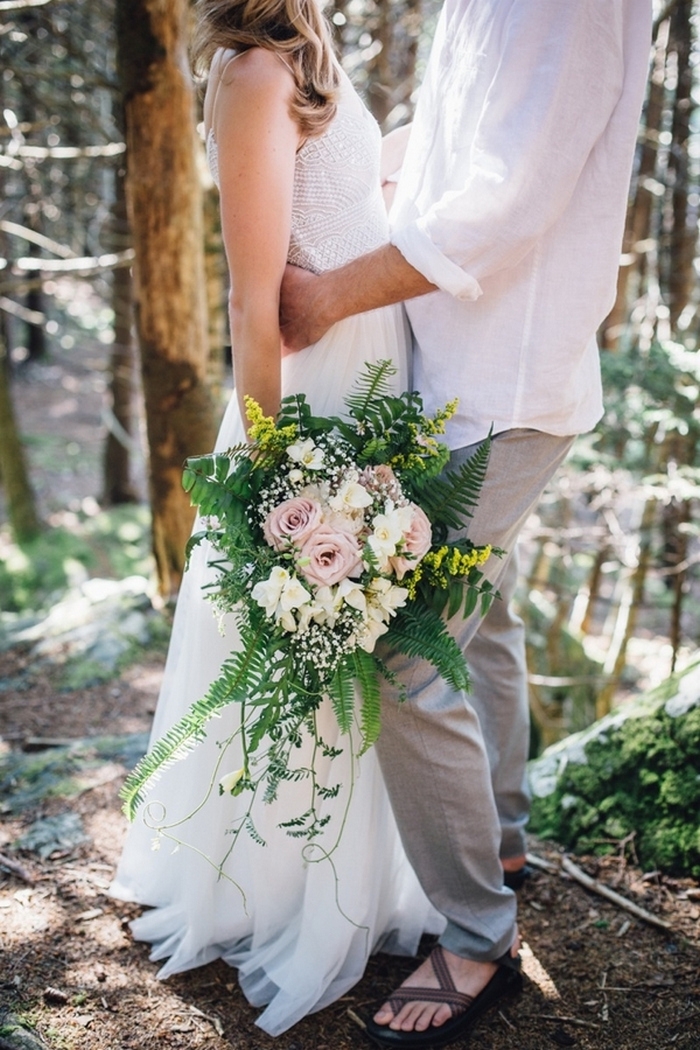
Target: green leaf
(448, 499)
(243, 675)
(370, 389)
(366, 670)
(455, 594)
(341, 690)
(418, 631)
(471, 598)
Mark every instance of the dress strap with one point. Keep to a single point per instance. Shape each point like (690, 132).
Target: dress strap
(222, 61)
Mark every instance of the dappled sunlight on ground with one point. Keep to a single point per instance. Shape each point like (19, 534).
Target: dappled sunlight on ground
(535, 972)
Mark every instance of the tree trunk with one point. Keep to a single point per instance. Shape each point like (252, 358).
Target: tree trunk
(13, 467)
(220, 360)
(36, 339)
(640, 210)
(391, 72)
(684, 231)
(165, 206)
(628, 609)
(117, 465)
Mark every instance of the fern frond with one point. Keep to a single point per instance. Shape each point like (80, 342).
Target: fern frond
(371, 387)
(294, 410)
(448, 500)
(215, 488)
(365, 671)
(420, 632)
(341, 690)
(240, 677)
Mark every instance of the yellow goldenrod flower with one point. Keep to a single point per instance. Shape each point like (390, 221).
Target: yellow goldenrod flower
(262, 430)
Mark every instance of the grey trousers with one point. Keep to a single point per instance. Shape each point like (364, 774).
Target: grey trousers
(454, 765)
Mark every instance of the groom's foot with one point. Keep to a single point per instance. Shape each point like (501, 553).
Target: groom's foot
(513, 864)
(417, 1015)
(515, 872)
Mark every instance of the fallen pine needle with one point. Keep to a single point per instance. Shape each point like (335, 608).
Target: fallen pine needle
(356, 1018)
(565, 1020)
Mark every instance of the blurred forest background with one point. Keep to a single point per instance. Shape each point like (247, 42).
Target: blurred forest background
(113, 333)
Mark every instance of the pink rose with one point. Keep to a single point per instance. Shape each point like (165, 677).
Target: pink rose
(332, 554)
(292, 522)
(417, 542)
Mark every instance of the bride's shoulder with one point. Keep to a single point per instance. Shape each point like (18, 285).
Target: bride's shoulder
(250, 92)
(254, 66)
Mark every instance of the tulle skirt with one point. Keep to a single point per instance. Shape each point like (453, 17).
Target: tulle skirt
(297, 919)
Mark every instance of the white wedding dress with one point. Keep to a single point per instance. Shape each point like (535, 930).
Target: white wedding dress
(297, 923)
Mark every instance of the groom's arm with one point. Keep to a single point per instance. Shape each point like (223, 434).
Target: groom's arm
(311, 303)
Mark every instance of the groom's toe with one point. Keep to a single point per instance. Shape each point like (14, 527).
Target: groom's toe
(384, 1014)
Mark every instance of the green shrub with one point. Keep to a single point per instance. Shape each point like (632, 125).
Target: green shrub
(641, 777)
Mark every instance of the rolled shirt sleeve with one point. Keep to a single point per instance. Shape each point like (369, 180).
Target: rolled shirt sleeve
(558, 71)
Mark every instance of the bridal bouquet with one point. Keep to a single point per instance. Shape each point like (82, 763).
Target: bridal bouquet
(327, 534)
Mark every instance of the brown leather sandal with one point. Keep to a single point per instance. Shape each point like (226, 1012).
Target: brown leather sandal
(465, 1009)
(447, 992)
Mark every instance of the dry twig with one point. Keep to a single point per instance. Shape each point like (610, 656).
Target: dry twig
(17, 869)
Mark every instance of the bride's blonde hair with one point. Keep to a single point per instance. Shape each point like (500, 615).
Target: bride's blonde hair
(295, 29)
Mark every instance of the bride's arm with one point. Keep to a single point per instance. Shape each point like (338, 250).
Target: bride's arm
(257, 141)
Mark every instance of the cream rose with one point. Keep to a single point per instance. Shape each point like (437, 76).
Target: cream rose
(292, 522)
(417, 540)
(329, 556)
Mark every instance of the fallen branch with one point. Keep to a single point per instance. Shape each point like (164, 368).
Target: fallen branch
(575, 872)
(17, 869)
(544, 865)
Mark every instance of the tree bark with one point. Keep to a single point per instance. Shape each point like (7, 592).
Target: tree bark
(684, 231)
(165, 207)
(13, 466)
(638, 226)
(118, 487)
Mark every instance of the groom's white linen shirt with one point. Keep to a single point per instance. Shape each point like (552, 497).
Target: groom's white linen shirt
(512, 200)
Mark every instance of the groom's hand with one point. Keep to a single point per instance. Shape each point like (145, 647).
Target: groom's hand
(303, 319)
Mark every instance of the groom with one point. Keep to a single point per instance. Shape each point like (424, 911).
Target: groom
(508, 222)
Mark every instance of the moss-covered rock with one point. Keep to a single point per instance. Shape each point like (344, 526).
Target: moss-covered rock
(63, 772)
(637, 771)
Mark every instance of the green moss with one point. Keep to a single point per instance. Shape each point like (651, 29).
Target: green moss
(59, 772)
(641, 776)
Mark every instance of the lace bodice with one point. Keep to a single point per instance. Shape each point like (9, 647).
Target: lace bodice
(338, 212)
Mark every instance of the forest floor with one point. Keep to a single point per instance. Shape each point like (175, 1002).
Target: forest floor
(596, 977)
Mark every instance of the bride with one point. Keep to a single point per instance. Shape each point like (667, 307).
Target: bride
(296, 157)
